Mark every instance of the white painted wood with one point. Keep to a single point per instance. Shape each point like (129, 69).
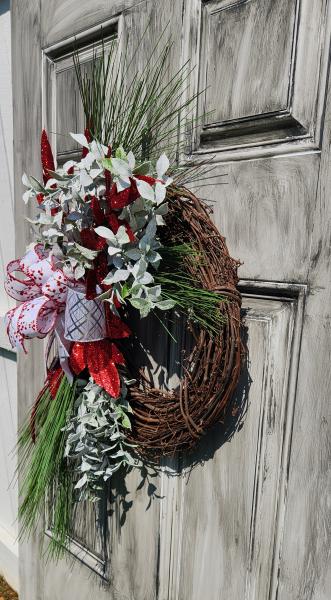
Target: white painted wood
(246, 519)
(8, 396)
(276, 59)
(247, 30)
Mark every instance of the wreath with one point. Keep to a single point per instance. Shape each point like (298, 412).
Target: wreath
(168, 422)
(118, 232)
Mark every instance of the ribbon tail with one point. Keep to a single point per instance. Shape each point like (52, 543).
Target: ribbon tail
(64, 350)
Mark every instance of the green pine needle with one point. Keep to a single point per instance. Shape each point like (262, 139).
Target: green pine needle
(148, 113)
(43, 465)
(202, 307)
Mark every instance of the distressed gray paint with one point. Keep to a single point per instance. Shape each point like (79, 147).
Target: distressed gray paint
(251, 522)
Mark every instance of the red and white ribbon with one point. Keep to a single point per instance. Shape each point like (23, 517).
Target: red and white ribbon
(35, 281)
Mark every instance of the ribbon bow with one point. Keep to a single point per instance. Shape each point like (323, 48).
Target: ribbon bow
(35, 281)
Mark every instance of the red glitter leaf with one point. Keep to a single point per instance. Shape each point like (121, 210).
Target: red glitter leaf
(113, 222)
(47, 159)
(98, 213)
(108, 378)
(88, 136)
(147, 178)
(116, 355)
(101, 269)
(115, 327)
(54, 378)
(100, 358)
(78, 357)
(91, 240)
(98, 355)
(91, 282)
(119, 199)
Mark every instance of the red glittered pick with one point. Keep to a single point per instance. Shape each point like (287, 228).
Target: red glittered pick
(88, 136)
(47, 159)
(116, 355)
(54, 379)
(101, 269)
(97, 357)
(108, 378)
(98, 213)
(77, 357)
(116, 329)
(91, 240)
(97, 275)
(91, 284)
(114, 222)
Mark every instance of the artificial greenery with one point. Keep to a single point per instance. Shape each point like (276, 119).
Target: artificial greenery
(147, 113)
(201, 306)
(43, 462)
(96, 443)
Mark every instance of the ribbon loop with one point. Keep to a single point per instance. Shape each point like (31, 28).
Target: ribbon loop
(42, 289)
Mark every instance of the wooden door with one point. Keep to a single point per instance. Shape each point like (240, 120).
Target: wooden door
(250, 520)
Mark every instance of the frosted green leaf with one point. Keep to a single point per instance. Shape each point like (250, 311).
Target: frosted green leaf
(160, 192)
(120, 167)
(117, 276)
(106, 233)
(80, 139)
(86, 252)
(81, 482)
(166, 304)
(145, 190)
(162, 166)
(122, 236)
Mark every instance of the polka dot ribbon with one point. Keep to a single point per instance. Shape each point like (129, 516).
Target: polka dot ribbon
(41, 288)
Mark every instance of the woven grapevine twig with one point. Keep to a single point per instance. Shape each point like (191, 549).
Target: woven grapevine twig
(167, 422)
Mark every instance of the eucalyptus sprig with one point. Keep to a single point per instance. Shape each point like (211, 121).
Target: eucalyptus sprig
(96, 444)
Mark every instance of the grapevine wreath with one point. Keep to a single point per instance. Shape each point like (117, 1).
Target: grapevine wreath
(118, 232)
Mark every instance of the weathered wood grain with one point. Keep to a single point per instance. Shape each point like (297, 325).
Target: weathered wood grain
(275, 196)
(26, 54)
(65, 19)
(264, 85)
(305, 562)
(252, 44)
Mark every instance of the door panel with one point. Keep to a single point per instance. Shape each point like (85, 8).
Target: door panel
(243, 519)
(62, 107)
(261, 65)
(250, 39)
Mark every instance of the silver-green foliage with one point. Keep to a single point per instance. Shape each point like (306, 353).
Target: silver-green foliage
(96, 439)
